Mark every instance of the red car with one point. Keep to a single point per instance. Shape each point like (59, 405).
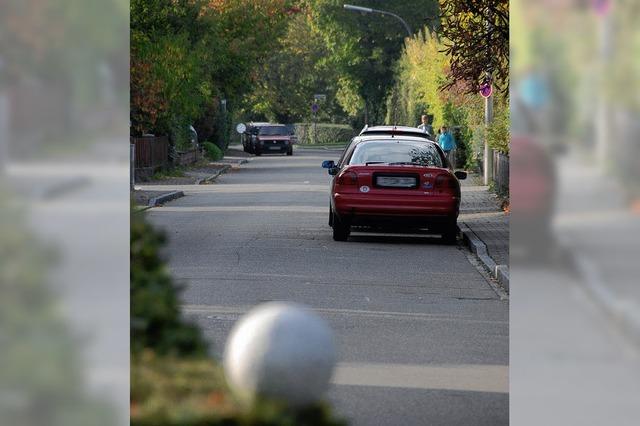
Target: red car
(388, 181)
(273, 138)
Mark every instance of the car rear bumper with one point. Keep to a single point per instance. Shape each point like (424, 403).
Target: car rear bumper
(413, 211)
(274, 149)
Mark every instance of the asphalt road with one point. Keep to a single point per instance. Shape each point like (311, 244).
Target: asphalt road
(423, 339)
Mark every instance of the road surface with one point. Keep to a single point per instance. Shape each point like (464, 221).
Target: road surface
(422, 336)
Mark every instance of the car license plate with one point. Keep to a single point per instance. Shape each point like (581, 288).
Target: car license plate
(396, 181)
(274, 147)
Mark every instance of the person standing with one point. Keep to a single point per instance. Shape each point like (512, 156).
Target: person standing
(425, 126)
(448, 145)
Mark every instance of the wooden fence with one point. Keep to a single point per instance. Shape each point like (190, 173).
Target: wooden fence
(187, 157)
(501, 172)
(150, 154)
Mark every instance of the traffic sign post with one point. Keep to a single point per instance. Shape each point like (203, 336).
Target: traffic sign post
(241, 128)
(486, 90)
(314, 109)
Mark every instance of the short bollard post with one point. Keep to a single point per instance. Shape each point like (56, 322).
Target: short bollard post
(280, 351)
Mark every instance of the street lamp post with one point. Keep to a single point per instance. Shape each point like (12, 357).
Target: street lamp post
(381, 12)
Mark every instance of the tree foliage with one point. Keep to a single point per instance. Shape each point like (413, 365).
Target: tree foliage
(422, 72)
(476, 39)
(189, 55)
(293, 73)
(364, 48)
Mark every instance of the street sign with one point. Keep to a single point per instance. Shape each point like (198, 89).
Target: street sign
(601, 7)
(320, 97)
(315, 107)
(241, 128)
(486, 89)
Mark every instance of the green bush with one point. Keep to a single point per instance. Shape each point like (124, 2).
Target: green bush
(323, 134)
(170, 391)
(43, 372)
(212, 151)
(155, 310)
(498, 133)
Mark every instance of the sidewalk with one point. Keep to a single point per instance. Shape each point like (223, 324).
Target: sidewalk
(152, 193)
(600, 230)
(485, 227)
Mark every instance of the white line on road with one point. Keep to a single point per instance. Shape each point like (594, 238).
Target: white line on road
(239, 188)
(465, 377)
(247, 209)
(239, 310)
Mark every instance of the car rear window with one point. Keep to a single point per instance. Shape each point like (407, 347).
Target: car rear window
(273, 131)
(397, 151)
(417, 133)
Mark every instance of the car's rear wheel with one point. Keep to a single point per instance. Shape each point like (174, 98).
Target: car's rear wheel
(450, 233)
(341, 229)
(290, 151)
(257, 152)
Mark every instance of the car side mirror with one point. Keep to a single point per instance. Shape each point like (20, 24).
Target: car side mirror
(460, 174)
(331, 165)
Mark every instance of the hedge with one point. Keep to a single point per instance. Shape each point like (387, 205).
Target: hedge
(324, 133)
(173, 391)
(212, 151)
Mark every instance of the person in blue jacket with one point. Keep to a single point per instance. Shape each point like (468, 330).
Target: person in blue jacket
(448, 144)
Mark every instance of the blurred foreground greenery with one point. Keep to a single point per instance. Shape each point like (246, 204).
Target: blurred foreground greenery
(156, 323)
(188, 392)
(42, 370)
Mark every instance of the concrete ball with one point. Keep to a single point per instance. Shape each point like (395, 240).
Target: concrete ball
(280, 351)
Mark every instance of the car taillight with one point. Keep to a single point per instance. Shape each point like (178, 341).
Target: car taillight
(447, 183)
(348, 178)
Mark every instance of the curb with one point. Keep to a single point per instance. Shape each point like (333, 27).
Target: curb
(479, 248)
(59, 189)
(625, 314)
(161, 199)
(214, 176)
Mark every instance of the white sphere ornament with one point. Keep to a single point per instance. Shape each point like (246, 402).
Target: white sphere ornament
(280, 351)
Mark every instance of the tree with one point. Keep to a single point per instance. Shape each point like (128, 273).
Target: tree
(364, 49)
(188, 55)
(294, 73)
(476, 38)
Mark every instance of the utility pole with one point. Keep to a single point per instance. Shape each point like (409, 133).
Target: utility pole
(488, 108)
(605, 35)
(488, 152)
(4, 126)
(379, 12)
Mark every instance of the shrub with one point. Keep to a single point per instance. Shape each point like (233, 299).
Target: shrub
(323, 134)
(155, 310)
(169, 391)
(43, 374)
(498, 133)
(212, 151)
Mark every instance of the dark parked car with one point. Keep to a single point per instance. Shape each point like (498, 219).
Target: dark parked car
(250, 135)
(388, 181)
(267, 138)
